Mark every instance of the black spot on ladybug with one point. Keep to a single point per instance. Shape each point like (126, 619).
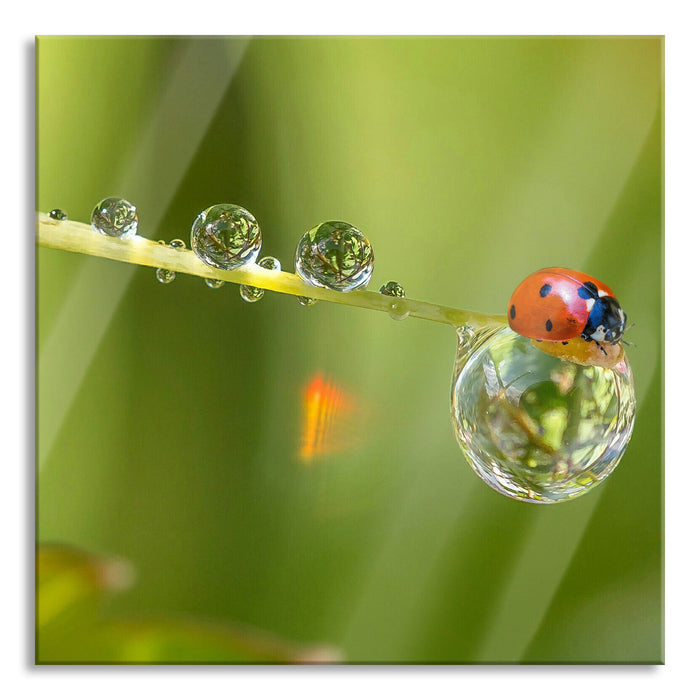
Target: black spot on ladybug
(588, 290)
(565, 342)
(548, 325)
(512, 311)
(545, 289)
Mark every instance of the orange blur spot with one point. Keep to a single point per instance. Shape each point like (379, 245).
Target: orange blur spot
(328, 419)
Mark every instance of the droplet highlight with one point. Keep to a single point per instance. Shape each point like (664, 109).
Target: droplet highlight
(226, 236)
(335, 255)
(535, 427)
(115, 217)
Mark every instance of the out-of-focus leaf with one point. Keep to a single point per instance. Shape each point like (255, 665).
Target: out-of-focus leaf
(70, 628)
(69, 578)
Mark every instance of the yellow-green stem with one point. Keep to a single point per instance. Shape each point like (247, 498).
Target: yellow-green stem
(77, 237)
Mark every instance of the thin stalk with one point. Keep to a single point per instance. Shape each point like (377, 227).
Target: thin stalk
(77, 237)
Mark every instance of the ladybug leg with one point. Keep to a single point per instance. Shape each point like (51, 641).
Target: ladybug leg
(600, 347)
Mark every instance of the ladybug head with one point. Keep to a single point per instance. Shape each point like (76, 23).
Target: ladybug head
(606, 321)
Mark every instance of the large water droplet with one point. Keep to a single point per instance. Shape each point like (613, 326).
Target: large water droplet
(115, 217)
(335, 255)
(535, 427)
(226, 236)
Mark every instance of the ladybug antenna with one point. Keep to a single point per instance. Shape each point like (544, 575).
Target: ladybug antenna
(627, 342)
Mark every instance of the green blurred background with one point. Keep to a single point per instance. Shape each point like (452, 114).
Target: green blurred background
(169, 417)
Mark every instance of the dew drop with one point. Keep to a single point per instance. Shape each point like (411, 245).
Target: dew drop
(226, 236)
(535, 427)
(58, 215)
(251, 294)
(115, 217)
(270, 263)
(213, 284)
(164, 276)
(167, 276)
(306, 301)
(399, 310)
(335, 255)
(392, 289)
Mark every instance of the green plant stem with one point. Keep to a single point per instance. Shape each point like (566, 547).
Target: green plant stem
(77, 237)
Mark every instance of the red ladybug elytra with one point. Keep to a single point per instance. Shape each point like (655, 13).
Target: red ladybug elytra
(559, 304)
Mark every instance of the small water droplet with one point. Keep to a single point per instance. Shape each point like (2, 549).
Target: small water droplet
(392, 289)
(164, 276)
(115, 217)
(399, 310)
(167, 276)
(251, 294)
(270, 263)
(335, 255)
(58, 215)
(226, 236)
(213, 284)
(306, 301)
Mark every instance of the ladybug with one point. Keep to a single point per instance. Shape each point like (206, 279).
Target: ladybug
(559, 304)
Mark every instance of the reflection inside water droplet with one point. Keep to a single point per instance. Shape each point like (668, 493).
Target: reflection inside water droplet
(164, 276)
(251, 294)
(535, 427)
(392, 289)
(335, 255)
(115, 217)
(58, 215)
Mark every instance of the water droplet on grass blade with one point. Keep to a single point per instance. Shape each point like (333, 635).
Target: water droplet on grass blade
(213, 284)
(392, 289)
(164, 276)
(226, 236)
(306, 301)
(335, 255)
(399, 310)
(115, 217)
(251, 294)
(535, 427)
(58, 215)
